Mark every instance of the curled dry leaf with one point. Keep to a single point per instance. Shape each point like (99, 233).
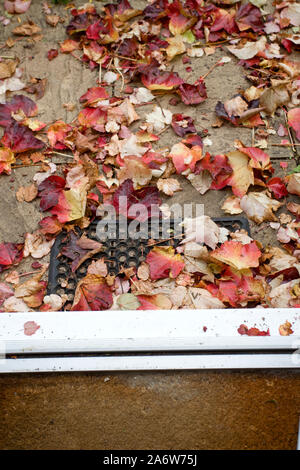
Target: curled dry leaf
(259, 207)
(7, 68)
(293, 185)
(249, 49)
(232, 205)
(27, 29)
(274, 97)
(143, 272)
(54, 302)
(203, 229)
(286, 329)
(37, 245)
(52, 20)
(168, 186)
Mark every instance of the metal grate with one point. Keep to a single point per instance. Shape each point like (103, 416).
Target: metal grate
(118, 250)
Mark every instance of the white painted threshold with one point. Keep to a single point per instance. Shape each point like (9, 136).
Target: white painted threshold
(148, 340)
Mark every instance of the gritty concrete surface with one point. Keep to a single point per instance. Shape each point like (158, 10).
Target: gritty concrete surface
(175, 410)
(199, 410)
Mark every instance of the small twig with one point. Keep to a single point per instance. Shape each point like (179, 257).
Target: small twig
(100, 74)
(165, 129)
(63, 154)
(29, 273)
(253, 137)
(122, 76)
(209, 43)
(289, 131)
(156, 100)
(7, 57)
(14, 167)
(126, 58)
(166, 240)
(284, 145)
(211, 69)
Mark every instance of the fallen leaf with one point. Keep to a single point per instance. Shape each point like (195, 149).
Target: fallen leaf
(237, 255)
(128, 302)
(259, 207)
(163, 262)
(27, 193)
(30, 328)
(286, 329)
(27, 29)
(168, 186)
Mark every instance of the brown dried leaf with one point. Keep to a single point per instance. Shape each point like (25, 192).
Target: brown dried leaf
(27, 29)
(37, 87)
(26, 193)
(7, 69)
(52, 20)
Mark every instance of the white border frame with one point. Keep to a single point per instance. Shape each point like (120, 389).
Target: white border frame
(148, 340)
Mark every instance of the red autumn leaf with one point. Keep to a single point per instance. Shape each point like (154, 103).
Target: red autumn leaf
(52, 53)
(192, 140)
(184, 158)
(156, 80)
(218, 167)
(122, 10)
(79, 249)
(163, 262)
(93, 117)
(49, 191)
(244, 330)
(237, 255)
(92, 293)
(224, 20)
(30, 327)
(17, 103)
(294, 120)
(259, 159)
(20, 139)
(155, 10)
(50, 225)
(240, 290)
(57, 134)
(183, 125)
(82, 18)
(94, 29)
(192, 94)
(93, 96)
(179, 23)
(277, 186)
(71, 204)
(10, 254)
(5, 292)
(249, 17)
(126, 197)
